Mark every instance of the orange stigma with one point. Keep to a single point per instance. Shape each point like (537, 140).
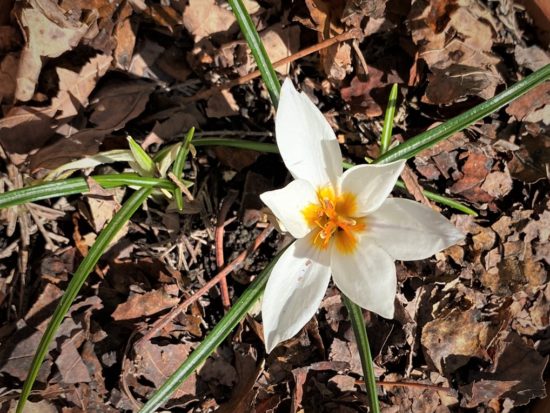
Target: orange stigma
(332, 218)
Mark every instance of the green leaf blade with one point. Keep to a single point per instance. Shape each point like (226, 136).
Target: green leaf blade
(258, 50)
(385, 139)
(101, 244)
(145, 164)
(429, 138)
(213, 340)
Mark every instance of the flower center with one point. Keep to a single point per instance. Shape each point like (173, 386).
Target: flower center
(331, 218)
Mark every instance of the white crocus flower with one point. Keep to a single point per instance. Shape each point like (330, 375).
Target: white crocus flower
(344, 223)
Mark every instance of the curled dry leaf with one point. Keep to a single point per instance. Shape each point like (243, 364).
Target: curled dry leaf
(515, 374)
(451, 341)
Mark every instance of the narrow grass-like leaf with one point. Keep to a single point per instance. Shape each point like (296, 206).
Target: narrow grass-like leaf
(179, 163)
(77, 186)
(443, 200)
(102, 158)
(237, 143)
(429, 138)
(145, 164)
(258, 50)
(100, 245)
(272, 148)
(359, 330)
(385, 139)
(212, 340)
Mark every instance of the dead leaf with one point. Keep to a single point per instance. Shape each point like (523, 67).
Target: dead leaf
(450, 341)
(115, 103)
(222, 104)
(516, 374)
(474, 171)
(75, 88)
(530, 163)
(70, 364)
(458, 81)
(103, 205)
(463, 63)
(155, 363)
(202, 18)
(531, 101)
(8, 72)
(533, 57)
(368, 98)
(152, 302)
(281, 42)
(49, 33)
(38, 124)
(498, 184)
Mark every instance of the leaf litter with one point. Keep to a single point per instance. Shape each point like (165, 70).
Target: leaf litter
(472, 323)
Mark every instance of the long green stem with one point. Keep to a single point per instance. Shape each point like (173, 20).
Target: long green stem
(258, 50)
(73, 186)
(432, 136)
(101, 244)
(358, 324)
(212, 340)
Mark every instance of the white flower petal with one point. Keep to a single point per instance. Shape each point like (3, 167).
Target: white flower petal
(305, 139)
(408, 230)
(367, 277)
(287, 205)
(371, 184)
(294, 291)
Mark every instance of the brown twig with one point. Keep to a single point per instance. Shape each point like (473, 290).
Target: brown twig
(352, 34)
(222, 274)
(218, 242)
(422, 386)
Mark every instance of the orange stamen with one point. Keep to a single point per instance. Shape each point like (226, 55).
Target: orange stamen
(332, 218)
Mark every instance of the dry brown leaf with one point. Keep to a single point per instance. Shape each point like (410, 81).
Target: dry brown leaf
(450, 341)
(103, 204)
(49, 33)
(70, 364)
(475, 170)
(414, 188)
(498, 184)
(458, 81)
(281, 42)
(463, 61)
(533, 57)
(118, 103)
(202, 18)
(528, 103)
(37, 125)
(8, 73)
(155, 363)
(142, 305)
(75, 88)
(368, 97)
(516, 374)
(532, 161)
(222, 104)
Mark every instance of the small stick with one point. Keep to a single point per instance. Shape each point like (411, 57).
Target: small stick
(422, 386)
(352, 34)
(223, 273)
(218, 242)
